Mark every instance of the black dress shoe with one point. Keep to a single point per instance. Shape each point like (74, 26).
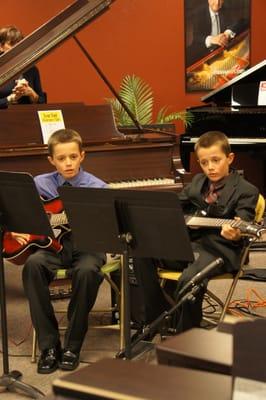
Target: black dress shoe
(69, 360)
(48, 361)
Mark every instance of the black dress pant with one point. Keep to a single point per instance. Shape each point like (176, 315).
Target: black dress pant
(189, 314)
(39, 270)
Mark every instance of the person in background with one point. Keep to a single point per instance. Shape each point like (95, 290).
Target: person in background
(27, 88)
(220, 32)
(66, 155)
(211, 25)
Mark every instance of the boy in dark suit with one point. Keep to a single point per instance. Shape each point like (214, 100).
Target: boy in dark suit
(218, 192)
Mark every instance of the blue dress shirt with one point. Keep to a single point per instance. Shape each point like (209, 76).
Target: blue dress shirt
(47, 184)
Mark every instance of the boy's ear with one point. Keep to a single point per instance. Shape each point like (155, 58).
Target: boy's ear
(82, 155)
(50, 159)
(231, 157)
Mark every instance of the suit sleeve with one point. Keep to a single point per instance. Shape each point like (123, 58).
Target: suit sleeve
(38, 87)
(245, 208)
(3, 102)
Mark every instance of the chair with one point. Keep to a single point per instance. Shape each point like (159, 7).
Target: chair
(60, 288)
(165, 275)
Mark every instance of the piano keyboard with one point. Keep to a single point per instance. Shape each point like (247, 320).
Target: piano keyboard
(139, 183)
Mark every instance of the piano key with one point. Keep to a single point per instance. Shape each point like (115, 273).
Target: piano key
(142, 183)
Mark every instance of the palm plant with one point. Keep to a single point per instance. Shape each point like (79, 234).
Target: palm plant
(138, 97)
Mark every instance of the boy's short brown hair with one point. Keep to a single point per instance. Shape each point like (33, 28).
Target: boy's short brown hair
(64, 136)
(211, 138)
(10, 35)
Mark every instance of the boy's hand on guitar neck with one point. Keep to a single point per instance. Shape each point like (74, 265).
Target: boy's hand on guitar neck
(230, 233)
(21, 238)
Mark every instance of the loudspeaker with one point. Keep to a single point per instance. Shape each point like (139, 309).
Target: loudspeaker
(147, 300)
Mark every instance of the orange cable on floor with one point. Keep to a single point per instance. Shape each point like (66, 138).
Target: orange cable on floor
(248, 304)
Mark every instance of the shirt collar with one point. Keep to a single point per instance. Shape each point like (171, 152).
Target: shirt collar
(219, 184)
(212, 13)
(74, 181)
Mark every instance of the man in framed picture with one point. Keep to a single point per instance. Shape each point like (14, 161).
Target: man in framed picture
(211, 24)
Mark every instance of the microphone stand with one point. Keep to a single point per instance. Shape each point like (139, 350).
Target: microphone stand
(189, 296)
(187, 293)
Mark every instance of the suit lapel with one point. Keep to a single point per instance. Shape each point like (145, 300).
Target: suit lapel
(196, 192)
(229, 189)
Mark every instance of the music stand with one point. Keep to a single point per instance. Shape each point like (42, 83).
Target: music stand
(128, 222)
(21, 210)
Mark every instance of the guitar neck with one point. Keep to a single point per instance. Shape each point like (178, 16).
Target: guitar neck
(206, 222)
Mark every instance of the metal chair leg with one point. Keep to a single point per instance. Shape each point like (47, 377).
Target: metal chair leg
(34, 346)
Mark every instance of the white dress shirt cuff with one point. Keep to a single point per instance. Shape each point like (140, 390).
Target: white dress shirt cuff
(230, 33)
(208, 42)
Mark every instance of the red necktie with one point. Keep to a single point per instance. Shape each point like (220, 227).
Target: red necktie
(212, 194)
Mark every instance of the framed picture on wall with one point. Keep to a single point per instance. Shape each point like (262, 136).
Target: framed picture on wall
(217, 42)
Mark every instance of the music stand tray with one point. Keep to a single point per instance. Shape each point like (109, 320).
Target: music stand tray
(21, 210)
(128, 222)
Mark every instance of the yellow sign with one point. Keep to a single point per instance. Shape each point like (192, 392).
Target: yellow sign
(51, 121)
(50, 116)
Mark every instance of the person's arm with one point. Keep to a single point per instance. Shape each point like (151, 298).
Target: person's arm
(230, 233)
(219, 40)
(245, 210)
(30, 86)
(37, 86)
(246, 206)
(230, 34)
(21, 238)
(22, 89)
(3, 102)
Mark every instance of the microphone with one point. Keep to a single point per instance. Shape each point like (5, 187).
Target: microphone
(200, 276)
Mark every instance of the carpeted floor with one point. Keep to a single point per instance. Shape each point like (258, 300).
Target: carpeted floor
(102, 340)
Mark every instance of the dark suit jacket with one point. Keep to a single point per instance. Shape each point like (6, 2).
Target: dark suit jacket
(33, 77)
(237, 198)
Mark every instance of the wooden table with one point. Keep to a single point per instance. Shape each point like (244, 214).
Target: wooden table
(206, 350)
(130, 380)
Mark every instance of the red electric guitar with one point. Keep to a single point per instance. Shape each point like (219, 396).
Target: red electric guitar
(17, 253)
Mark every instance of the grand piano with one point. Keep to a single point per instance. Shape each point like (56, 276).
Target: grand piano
(237, 109)
(138, 158)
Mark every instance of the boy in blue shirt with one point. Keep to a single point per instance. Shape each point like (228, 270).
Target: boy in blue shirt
(66, 155)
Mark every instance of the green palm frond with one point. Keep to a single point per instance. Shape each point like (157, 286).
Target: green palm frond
(163, 117)
(138, 97)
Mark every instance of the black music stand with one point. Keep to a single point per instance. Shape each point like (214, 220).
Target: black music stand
(128, 222)
(21, 210)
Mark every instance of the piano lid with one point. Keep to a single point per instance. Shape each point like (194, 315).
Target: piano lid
(251, 78)
(48, 36)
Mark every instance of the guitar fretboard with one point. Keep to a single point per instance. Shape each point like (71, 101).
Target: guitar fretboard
(205, 222)
(212, 222)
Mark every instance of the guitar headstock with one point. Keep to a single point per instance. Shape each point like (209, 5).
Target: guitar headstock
(252, 229)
